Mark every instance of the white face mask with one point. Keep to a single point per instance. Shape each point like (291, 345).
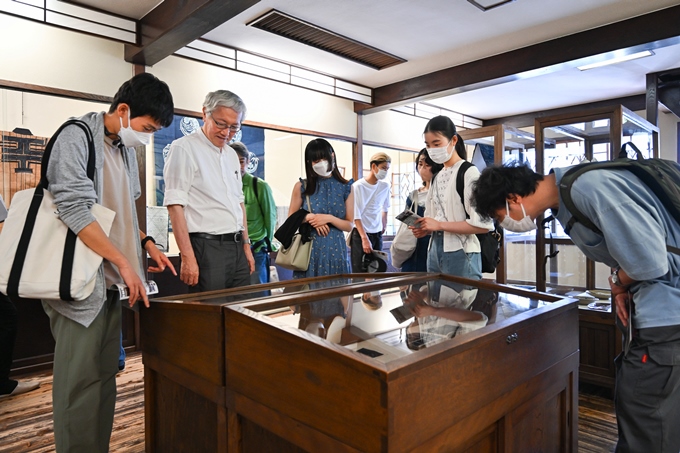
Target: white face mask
(381, 174)
(440, 155)
(517, 226)
(131, 137)
(321, 169)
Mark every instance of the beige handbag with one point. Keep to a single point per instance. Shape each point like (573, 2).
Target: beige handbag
(296, 257)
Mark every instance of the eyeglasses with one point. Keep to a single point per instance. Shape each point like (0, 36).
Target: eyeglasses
(221, 126)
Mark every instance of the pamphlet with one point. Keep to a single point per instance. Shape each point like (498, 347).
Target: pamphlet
(124, 291)
(408, 217)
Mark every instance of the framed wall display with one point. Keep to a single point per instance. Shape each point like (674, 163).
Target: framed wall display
(20, 156)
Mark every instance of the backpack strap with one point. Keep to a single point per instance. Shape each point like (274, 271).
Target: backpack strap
(565, 193)
(255, 189)
(568, 180)
(460, 183)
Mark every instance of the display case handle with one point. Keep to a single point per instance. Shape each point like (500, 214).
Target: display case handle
(511, 338)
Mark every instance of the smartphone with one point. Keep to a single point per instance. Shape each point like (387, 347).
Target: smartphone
(401, 314)
(408, 217)
(3, 210)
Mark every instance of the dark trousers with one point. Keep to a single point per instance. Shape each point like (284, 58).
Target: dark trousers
(8, 334)
(221, 264)
(84, 378)
(357, 253)
(647, 398)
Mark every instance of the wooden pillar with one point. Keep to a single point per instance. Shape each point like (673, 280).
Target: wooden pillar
(358, 154)
(652, 98)
(140, 206)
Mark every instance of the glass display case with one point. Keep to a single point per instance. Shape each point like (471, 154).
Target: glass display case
(499, 144)
(362, 362)
(566, 140)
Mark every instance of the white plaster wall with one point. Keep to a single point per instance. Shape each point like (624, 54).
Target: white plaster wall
(268, 101)
(41, 114)
(38, 54)
(668, 136)
(285, 162)
(394, 128)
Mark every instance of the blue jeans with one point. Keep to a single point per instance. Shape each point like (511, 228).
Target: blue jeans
(121, 356)
(458, 263)
(261, 274)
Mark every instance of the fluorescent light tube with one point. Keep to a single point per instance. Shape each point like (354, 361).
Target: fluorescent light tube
(615, 60)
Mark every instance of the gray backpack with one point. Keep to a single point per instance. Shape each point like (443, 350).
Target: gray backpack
(661, 176)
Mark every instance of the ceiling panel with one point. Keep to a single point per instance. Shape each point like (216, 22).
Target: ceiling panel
(443, 33)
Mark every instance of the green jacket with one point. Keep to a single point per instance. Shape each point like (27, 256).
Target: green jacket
(260, 211)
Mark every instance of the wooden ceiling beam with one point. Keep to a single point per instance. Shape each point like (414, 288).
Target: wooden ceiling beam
(649, 31)
(635, 103)
(175, 23)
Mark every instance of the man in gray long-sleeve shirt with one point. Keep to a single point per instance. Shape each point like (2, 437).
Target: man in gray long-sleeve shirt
(87, 332)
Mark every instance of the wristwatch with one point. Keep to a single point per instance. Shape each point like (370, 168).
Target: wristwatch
(615, 278)
(247, 241)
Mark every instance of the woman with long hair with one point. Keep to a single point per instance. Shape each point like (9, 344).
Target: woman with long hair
(331, 207)
(454, 248)
(427, 169)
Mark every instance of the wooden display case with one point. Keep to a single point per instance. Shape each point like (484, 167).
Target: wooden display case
(337, 364)
(499, 144)
(600, 341)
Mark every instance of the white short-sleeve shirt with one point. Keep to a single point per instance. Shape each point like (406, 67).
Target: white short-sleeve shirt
(370, 201)
(206, 180)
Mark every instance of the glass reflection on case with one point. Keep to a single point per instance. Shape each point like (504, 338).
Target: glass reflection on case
(369, 352)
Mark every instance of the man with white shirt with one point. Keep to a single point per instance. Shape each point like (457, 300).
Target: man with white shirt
(371, 203)
(203, 193)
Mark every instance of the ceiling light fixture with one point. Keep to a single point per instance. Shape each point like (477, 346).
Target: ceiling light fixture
(615, 60)
(486, 5)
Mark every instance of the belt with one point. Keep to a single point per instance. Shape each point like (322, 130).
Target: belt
(231, 237)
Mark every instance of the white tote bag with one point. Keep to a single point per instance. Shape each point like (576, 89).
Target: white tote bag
(404, 242)
(42, 267)
(41, 257)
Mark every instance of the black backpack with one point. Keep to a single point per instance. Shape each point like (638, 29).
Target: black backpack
(660, 175)
(490, 242)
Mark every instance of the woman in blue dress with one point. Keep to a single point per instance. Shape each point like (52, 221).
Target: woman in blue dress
(331, 210)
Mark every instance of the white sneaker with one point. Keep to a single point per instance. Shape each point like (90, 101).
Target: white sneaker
(23, 387)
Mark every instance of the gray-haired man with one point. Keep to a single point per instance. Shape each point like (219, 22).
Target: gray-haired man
(205, 200)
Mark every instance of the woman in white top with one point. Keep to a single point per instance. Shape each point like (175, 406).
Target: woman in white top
(454, 248)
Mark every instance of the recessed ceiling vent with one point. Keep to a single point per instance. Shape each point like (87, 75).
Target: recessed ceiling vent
(289, 27)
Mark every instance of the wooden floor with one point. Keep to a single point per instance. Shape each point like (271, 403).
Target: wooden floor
(26, 420)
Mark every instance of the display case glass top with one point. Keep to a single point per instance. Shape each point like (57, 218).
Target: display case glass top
(388, 319)
(288, 287)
